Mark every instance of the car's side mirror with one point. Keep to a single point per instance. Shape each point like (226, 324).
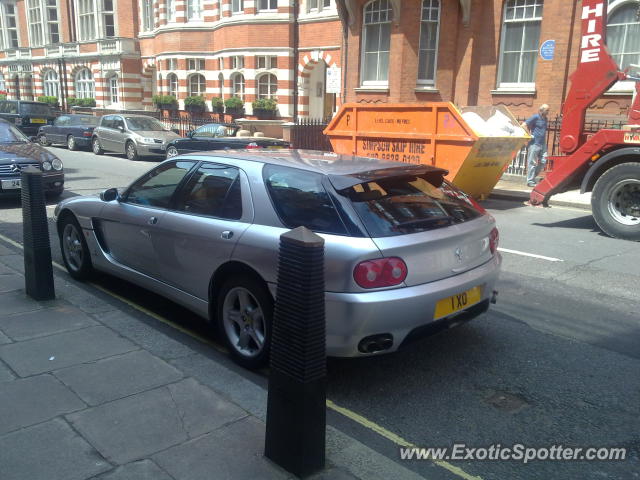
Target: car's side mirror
(109, 195)
(190, 133)
(121, 128)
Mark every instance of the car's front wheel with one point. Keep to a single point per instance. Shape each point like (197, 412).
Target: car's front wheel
(132, 153)
(172, 151)
(42, 138)
(71, 143)
(245, 310)
(96, 147)
(75, 253)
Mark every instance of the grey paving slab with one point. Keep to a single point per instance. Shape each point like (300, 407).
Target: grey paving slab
(63, 350)
(18, 302)
(28, 401)
(61, 318)
(4, 269)
(144, 335)
(88, 302)
(5, 373)
(4, 338)
(5, 251)
(14, 261)
(232, 452)
(118, 377)
(142, 470)
(48, 451)
(10, 282)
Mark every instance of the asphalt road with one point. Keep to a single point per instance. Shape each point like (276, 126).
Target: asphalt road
(556, 361)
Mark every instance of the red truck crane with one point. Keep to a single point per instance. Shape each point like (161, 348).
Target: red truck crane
(606, 163)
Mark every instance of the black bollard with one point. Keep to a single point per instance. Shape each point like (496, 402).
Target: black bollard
(296, 410)
(38, 271)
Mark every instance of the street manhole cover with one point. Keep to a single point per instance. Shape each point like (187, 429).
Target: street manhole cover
(507, 402)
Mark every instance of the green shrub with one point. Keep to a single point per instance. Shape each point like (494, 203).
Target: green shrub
(164, 100)
(217, 104)
(268, 104)
(194, 101)
(87, 102)
(234, 103)
(49, 100)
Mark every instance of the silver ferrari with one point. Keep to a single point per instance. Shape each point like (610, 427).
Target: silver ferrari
(405, 251)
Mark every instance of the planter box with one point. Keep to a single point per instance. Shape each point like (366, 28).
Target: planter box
(167, 106)
(194, 108)
(264, 114)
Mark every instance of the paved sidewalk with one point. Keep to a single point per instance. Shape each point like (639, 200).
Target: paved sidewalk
(88, 391)
(512, 187)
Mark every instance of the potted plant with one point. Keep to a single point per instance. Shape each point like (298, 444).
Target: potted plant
(194, 104)
(86, 102)
(165, 102)
(49, 100)
(217, 105)
(264, 108)
(234, 106)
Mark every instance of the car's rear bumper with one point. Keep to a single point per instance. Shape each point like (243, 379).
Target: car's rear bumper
(403, 313)
(82, 141)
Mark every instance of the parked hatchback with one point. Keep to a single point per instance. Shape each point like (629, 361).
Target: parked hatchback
(27, 116)
(134, 135)
(405, 251)
(74, 131)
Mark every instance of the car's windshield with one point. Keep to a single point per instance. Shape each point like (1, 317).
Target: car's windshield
(85, 120)
(10, 134)
(408, 204)
(35, 109)
(144, 124)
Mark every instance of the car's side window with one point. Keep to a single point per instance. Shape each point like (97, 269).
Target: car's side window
(206, 131)
(156, 188)
(118, 122)
(106, 121)
(300, 199)
(61, 121)
(10, 107)
(3, 107)
(213, 190)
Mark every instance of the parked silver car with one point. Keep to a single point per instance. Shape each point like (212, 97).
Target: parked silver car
(405, 251)
(134, 135)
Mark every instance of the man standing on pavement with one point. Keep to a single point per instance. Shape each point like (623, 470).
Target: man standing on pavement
(537, 157)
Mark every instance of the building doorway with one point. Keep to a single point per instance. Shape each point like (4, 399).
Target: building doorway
(321, 103)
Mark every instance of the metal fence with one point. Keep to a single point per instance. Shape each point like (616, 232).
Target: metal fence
(307, 134)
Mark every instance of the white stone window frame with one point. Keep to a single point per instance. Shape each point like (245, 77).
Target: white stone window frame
(7, 39)
(172, 81)
(195, 10)
(113, 89)
(369, 19)
(428, 6)
(50, 83)
(98, 21)
(237, 7)
(196, 64)
(317, 6)
(202, 85)
(520, 10)
(84, 84)
(237, 62)
(269, 8)
(628, 86)
(243, 83)
(147, 15)
(171, 10)
(259, 79)
(35, 21)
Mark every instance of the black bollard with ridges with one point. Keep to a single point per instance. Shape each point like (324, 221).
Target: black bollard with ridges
(296, 411)
(38, 271)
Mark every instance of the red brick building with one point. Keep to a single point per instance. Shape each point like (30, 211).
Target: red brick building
(478, 52)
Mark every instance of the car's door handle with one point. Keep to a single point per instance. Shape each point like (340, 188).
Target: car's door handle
(153, 220)
(227, 234)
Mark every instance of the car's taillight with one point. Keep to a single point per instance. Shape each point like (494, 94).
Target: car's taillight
(494, 239)
(252, 146)
(86, 134)
(382, 272)
(476, 205)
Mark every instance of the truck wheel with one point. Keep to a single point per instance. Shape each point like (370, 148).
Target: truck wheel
(615, 201)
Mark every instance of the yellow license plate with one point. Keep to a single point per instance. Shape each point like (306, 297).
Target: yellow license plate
(274, 147)
(455, 303)
(38, 120)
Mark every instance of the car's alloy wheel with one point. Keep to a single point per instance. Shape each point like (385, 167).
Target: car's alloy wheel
(43, 140)
(172, 151)
(75, 252)
(132, 154)
(96, 147)
(245, 309)
(71, 143)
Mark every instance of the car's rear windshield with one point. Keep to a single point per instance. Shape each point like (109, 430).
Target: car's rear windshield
(85, 120)
(144, 124)
(408, 204)
(35, 109)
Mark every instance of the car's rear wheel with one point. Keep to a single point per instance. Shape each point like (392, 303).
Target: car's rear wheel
(96, 147)
(172, 151)
(75, 253)
(71, 143)
(42, 138)
(245, 310)
(130, 149)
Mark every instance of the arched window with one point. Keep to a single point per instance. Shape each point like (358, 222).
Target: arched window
(113, 94)
(197, 85)
(172, 83)
(429, 28)
(519, 46)
(623, 32)
(267, 86)
(237, 85)
(50, 83)
(84, 84)
(376, 42)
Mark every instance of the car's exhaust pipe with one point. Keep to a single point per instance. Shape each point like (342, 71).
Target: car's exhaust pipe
(376, 343)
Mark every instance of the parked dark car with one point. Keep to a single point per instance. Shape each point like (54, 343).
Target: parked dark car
(18, 152)
(74, 131)
(27, 116)
(221, 136)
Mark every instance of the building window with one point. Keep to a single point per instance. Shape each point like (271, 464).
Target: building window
(50, 83)
(267, 5)
(520, 39)
(194, 9)
(34, 12)
(171, 10)
(147, 15)
(267, 61)
(109, 26)
(429, 29)
(86, 20)
(267, 86)
(376, 43)
(9, 26)
(197, 85)
(51, 14)
(318, 5)
(195, 64)
(172, 82)
(237, 85)
(237, 62)
(623, 33)
(112, 83)
(237, 6)
(172, 64)
(3, 86)
(84, 84)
